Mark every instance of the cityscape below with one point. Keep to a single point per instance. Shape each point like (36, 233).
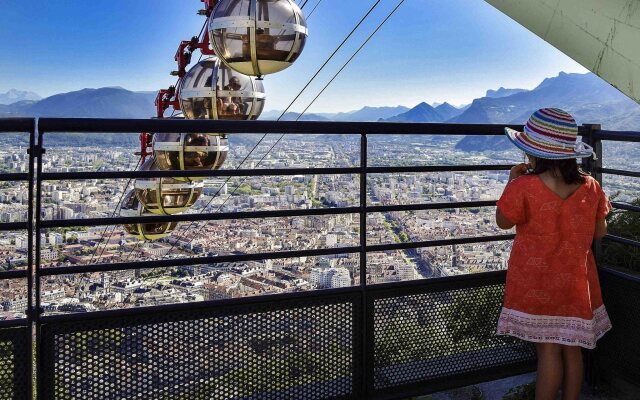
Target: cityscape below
(109, 290)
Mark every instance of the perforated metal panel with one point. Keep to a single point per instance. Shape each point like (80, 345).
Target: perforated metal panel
(618, 352)
(437, 333)
(278, 349)
(14, 361)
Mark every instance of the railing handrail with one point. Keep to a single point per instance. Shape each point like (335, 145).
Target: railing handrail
(17, 125)
(620, 136)
(111, 125)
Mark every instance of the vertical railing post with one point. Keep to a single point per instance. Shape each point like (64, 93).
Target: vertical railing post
(31, 312)
(594, 167)
(364, 320)
(39, 152)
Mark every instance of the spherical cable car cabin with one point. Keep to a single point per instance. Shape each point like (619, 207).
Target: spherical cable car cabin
(166, 196)
(211, 90)
(131, 207)
(189, 151)
(258, 37)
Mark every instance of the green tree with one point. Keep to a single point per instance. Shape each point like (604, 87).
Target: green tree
(625, 224)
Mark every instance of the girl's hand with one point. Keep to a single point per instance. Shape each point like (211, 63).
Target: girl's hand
(518, 170)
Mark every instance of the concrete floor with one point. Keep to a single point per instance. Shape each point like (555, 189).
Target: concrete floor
(495, 390)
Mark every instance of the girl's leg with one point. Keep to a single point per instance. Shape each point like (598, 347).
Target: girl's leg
(573, 370)
(549, 371)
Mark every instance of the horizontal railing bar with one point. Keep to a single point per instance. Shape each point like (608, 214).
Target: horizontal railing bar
(621, 240)
(197, 217)
(13, 323)
(169, 263)
(12, 226)
(328, 294)
(438, 168)
(66, 223)
(47, 125)
(434, 243)
(17, 125)
(13, 274)
(619, 136)
(50, 176)
(180, 262)
(609, 269)
(431, 206)
(14, 176)
(620, 172)
(625, 206)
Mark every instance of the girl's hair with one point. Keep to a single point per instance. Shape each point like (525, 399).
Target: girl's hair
(568, 168)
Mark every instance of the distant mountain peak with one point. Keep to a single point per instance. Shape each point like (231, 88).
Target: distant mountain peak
(503, 92)
(14, 96)
(423, 112)
(447, 111)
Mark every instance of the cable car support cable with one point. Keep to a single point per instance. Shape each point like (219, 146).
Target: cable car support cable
(118, 204)
(360, 22)
(313, 10)
(310, 104)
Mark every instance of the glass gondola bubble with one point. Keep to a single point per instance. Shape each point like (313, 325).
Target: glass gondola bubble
(166, 196)
(258, 37)
(189, 151)
(211, 90)
(131, 207)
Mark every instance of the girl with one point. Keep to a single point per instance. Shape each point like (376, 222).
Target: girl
(552, 295)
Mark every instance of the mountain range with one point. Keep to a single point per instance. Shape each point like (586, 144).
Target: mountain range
(365, 114)
(108, 102)
(588, 98)
(585, 96)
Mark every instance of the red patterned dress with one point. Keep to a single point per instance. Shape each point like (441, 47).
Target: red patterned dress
(552, 293)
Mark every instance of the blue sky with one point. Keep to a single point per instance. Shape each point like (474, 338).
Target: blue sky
(430, 50)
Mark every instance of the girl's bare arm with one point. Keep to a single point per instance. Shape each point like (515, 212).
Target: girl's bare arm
(515, 172)
(502, 221)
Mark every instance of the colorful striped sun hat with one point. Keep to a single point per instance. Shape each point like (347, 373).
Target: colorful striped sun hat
(550, 133)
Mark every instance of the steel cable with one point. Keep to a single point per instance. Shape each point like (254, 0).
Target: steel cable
(316, 98)
(118, 204)
(371, 9)
(313, 10)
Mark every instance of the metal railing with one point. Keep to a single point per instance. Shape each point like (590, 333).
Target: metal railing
(618, 353)
(360, 354)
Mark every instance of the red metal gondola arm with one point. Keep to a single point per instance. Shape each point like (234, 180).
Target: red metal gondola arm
(166, 98)
(146, 141)
(186, 49)
(209, 6)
